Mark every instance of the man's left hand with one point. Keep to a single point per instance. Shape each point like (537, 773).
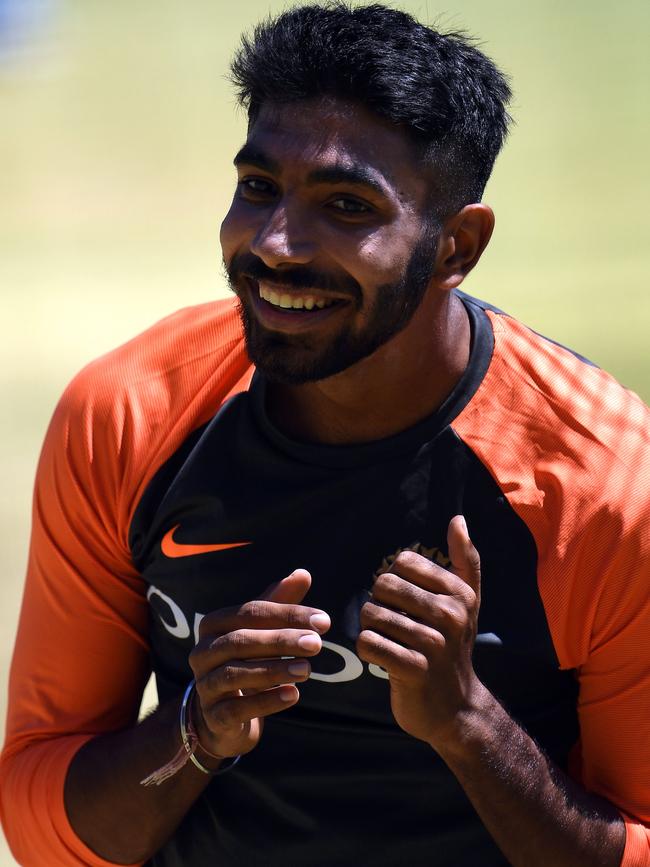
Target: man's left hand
(420, 626)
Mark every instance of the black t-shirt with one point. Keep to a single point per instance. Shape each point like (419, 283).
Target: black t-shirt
(334, 780)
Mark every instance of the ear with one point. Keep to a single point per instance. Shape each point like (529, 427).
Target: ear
(462, 240)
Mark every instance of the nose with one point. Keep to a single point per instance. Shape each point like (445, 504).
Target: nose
(284, 238)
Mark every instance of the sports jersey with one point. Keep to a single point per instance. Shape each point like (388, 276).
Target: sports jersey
(165, 492)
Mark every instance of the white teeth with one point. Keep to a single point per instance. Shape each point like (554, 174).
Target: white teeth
(290, 302)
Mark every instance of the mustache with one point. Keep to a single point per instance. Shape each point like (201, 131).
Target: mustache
(297, 277)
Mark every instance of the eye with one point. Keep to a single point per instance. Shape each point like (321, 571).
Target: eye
(347, 205)
(256, 187)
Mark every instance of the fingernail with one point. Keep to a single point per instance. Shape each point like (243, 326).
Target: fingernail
(320, 621)
(299, 668)
(287, 693)
(309, 642)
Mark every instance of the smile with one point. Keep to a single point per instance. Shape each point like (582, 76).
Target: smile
(285, 301)
(292, 310)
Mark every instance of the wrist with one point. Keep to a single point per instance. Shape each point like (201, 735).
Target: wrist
(197, 725)
(199, 732)
(473, 727)
(189, 745)
(209, 760)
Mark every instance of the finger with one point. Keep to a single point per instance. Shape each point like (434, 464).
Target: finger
(262, 614)
(293, 588)
(252, 644)
(398, 661)
(241, 709)
(465, 560)
(421, 635)
(421, 572)
(254, 676)
(401, 595)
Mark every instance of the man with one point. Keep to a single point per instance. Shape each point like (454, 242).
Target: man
(281, 514)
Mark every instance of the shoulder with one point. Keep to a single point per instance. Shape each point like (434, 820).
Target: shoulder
(585, 434)
(182, 367)
(195, 342)
(547, 407)
(126, 412)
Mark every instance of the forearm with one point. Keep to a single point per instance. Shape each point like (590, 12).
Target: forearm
(245, 665)
(534, 812)
(110, 810)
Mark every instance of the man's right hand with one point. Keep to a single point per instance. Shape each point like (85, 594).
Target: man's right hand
(240, 673)
(241, 678)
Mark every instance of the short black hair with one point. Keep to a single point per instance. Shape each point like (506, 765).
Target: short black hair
(449, 98)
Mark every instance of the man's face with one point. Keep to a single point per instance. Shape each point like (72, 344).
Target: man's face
(325, 242)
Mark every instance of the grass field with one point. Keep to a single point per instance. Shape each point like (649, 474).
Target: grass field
(117, 128)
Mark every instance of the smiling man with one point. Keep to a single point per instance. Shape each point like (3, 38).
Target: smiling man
(362, 212)
(331, 247)
(385, 548)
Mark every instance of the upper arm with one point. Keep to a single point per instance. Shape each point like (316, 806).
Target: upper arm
(81, 655)
(614, 699)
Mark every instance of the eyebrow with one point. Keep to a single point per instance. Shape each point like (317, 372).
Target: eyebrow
(335, 174)
(356, 175)
(252, 156)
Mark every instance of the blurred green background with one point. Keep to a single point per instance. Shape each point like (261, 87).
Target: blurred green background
(117, 128)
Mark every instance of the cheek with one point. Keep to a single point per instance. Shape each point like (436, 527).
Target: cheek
(384, 256)
(232, 232)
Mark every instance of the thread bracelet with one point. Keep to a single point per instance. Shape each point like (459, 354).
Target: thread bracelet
(189, 744)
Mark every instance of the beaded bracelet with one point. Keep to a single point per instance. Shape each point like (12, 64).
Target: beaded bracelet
(190, 742)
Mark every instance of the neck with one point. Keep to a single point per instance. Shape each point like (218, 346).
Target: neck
(401, 383)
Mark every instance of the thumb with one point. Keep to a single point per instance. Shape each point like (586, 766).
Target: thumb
(290, 590)
(465, 561)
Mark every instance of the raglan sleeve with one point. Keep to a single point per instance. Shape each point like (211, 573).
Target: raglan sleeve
(81, 657)
(614, 678)
(570, 448)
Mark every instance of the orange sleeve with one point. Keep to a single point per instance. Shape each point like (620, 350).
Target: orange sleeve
(571, 450)
(81, 656)
(80, 661)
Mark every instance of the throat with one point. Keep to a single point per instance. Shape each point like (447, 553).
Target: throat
(401, 384)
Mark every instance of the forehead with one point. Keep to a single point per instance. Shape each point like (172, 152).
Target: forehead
(319, 134)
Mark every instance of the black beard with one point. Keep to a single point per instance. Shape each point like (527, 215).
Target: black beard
(293, 359)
